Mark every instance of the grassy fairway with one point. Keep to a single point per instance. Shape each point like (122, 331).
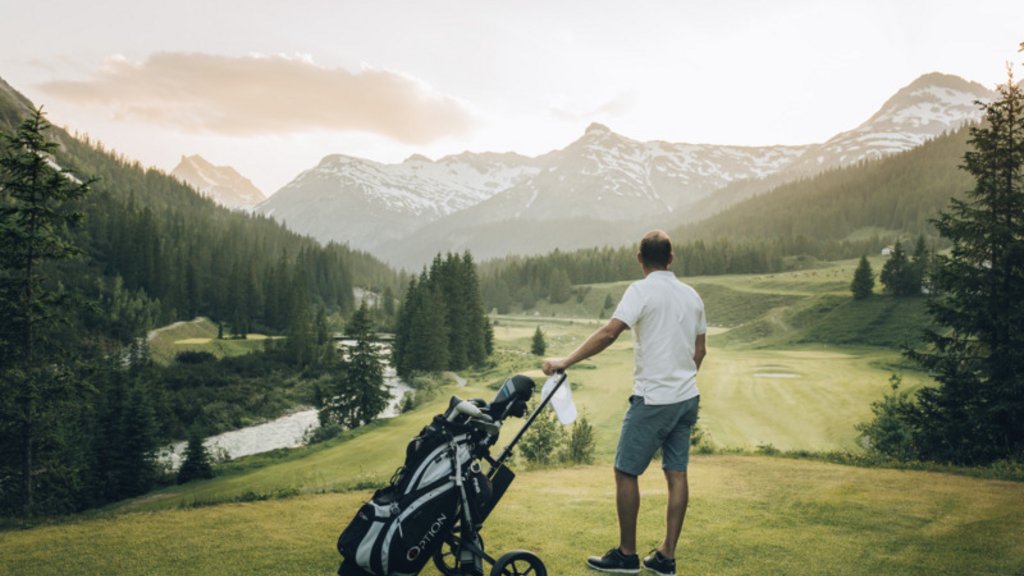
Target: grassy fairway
(199, 335)
(749, 516)
(791, 397)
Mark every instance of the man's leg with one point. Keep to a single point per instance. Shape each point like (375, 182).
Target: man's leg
(627, 503)
(675, 510)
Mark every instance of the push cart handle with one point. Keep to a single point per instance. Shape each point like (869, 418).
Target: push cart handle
(544, 401)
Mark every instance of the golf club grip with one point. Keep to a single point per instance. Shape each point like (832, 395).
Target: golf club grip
(544, 401)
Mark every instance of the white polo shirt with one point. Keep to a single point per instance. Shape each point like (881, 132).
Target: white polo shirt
(665, 316)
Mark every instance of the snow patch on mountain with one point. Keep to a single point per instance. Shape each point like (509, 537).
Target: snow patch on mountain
(602, 177)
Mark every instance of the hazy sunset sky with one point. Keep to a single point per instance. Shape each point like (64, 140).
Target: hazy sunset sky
(271, 87)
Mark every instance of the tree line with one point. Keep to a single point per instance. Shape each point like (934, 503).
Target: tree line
(442, 324)
(523, 280)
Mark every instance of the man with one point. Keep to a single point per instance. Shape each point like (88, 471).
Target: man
(667, 319)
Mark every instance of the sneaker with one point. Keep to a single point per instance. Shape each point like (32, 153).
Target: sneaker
(615, 562)
(657, 563)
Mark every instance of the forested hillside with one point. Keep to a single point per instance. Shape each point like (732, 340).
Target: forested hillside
(94, 251)
(898, 194)
(180, 255)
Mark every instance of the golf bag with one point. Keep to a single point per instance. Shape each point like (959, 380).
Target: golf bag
(441, 484)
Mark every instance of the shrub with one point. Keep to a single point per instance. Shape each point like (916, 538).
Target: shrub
(579, 447)
(891, 432)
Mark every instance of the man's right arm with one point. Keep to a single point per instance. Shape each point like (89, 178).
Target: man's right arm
(595, 344)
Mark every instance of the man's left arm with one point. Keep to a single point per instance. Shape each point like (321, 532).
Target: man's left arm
(700, 350)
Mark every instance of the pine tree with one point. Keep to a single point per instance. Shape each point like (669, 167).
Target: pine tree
(920, 263)
(561, 287)
(301, 343)
(580, 446)
(196, 465)
(976, 413)
(538, 346)
(481, 339)
(898, 274)
(863, 280)
(35, 214)
(365, 374)
(541, 442)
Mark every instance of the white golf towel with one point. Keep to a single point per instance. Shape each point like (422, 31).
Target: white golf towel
(562, 402)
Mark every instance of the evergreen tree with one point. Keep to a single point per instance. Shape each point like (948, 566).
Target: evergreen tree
(540, 444)
(580, 446)
(35, 215)
(919, 263)
(976, 413)
(561, 287)
(301, 344)
(428, 329)
(441, 323)
(481, 340)
(863, 280)
(898, 274)
(538, 346)
(196, 465)
(365, 373)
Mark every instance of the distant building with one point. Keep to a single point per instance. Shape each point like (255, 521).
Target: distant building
(887, 251)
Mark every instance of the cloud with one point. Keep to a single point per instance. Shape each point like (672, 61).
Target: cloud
(254, 95)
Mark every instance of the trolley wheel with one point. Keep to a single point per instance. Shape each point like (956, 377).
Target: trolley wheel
(519, 563)
(446, 558)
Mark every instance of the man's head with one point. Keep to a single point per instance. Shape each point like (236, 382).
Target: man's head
(655, 250)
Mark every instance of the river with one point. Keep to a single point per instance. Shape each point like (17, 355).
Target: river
(288, 431)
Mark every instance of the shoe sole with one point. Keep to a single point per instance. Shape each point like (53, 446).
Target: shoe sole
(613, 570)
(653, 571)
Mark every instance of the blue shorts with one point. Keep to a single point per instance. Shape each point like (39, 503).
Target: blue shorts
(649, 427)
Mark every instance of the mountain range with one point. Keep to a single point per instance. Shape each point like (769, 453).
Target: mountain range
(602, 189)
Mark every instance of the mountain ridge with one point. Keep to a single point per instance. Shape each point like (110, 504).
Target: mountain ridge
(601, 177)
(221, 183)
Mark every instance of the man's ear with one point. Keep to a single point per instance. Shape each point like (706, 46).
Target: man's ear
(671, 258)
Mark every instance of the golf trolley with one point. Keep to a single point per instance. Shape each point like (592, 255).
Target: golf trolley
(437, 502)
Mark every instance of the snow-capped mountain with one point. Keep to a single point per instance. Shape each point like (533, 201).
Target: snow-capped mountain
(606, 176)
(932, 104)
(221, 183)
(363, 203)
(601, 189)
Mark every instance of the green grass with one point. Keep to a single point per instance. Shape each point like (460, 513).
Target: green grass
(749, 516)
(793, 365)
(199, 335)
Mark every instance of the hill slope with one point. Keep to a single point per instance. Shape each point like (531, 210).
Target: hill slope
(899, 193)
(187, 255)
(749, 516)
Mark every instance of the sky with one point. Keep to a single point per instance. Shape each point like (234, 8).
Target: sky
(271, 87)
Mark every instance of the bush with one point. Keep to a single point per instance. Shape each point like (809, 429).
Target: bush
(540, 442)
(194, 357)
(579, 448)
(891, 433)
